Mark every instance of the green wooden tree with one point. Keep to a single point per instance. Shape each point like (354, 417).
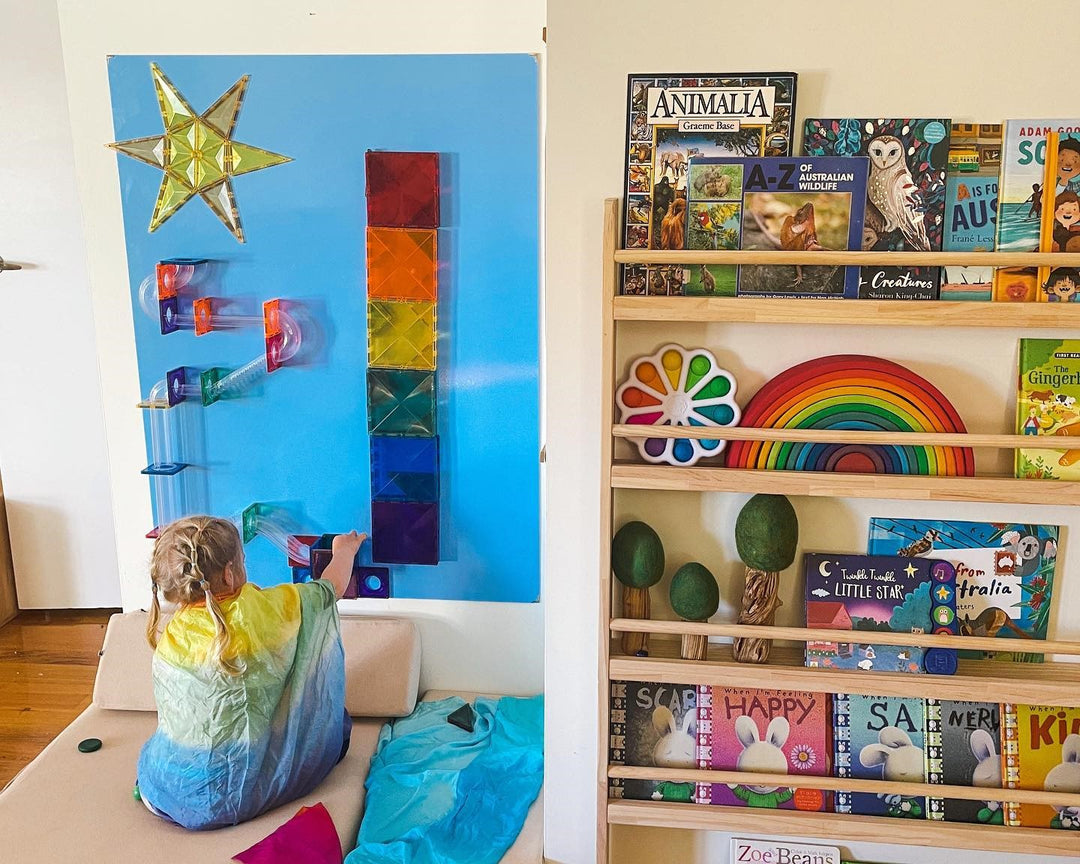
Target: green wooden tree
(637, 559)
(695, 596)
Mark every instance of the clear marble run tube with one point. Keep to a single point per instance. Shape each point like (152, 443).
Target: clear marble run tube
(283, 338)
(261, 520)
(159, 293)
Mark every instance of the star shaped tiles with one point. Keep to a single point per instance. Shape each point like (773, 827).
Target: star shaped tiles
(198, 154)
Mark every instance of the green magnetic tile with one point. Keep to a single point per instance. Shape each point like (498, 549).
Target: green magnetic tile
(401, 402)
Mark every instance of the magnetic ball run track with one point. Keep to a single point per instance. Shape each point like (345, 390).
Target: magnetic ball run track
(851, 391)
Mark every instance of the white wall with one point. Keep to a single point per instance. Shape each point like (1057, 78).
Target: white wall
(490, 647)
(52, 435)
(928, 59)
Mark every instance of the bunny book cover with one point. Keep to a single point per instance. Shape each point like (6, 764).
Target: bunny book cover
(653, 725)
(962, 741)
(1042, 751)
(1004, 573)
(764, 732)
(905, 194)
(880, 738)
(884, 593)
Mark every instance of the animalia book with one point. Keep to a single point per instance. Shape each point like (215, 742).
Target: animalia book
(1024, 193)
(963, 741)
(672, 118)
(880, 738)
(796, 205)
(1046, 406)
(868, 593)
(766, 732)
(905, 207)
(1004, 573)
(1041, 751)
(653, 725)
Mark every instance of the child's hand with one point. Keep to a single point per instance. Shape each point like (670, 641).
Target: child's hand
(347, 545)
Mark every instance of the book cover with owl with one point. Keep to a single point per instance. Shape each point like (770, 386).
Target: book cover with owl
(879, 738)
(876, 593)
(1048, 387)
(797, 205)
(670, 119)
(1041, 747)
(963, 742)
(1004, 573)
(1023, 196)
(765, 732)
(655, 726)
(905, 208)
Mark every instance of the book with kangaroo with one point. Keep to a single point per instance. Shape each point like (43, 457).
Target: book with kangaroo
(880, 738)
(879, 593)
(963, 740)
(1048, 388)
(796, 205)
(1041, 750)
(671, 118)
(905, 209)
(653, 725)
(1004, 573)
(764, 732)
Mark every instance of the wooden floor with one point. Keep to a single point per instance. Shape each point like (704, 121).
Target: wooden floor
(47, 665)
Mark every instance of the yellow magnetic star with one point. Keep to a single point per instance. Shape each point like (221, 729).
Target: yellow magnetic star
(197, 153)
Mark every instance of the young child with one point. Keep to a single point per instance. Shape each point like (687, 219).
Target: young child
(249, 683)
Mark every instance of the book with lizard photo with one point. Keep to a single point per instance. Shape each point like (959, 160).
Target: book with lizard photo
(776, 203)
(905, 209)
(671, 118)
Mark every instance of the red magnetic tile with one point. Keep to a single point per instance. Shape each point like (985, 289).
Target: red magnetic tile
(402, 189)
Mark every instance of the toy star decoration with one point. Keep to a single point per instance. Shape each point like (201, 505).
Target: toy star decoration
(197, 153)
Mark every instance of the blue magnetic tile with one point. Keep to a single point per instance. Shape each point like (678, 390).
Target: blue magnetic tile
(368, 582)
(301, 574)
(404, 532)
(165, 469)
(404, 469)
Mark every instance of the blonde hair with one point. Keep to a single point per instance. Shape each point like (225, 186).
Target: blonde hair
(187, 554)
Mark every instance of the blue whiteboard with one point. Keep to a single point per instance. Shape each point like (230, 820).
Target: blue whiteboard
(299, 441)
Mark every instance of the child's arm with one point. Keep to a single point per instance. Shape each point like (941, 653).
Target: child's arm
(339, 571)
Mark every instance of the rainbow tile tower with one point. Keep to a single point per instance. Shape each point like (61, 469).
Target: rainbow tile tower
(402, 292)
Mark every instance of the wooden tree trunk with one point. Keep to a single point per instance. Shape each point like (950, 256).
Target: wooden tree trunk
(635, 603)
(694, 647)
(759, 605)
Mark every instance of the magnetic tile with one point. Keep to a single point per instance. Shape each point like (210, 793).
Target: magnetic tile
(320, 558)
(402, 189)
(401, 335)
(299, 549)
(404, 469)
(368, 582)
(168, 313)
(402, 264)
(204, 315)
(404, 532)
(301, 574)
(164, 469)
(175, 382)
(401, 402)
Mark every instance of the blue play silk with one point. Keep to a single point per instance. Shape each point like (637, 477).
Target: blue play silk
(437, 794)
(229, 747)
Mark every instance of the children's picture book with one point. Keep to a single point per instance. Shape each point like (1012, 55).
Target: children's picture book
(1023, 195)
(673, 118)
(765, 732)
(775, 203)
(875, 593)
(782, 852)
(653, 725)
(880, 738)
(905, 208)
(1004, 573)
(1048, 387)
(1060, 225)
(963, 743)
(1041, 751)
(970, 217)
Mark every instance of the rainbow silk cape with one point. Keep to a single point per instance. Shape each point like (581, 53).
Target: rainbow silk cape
(229, 747)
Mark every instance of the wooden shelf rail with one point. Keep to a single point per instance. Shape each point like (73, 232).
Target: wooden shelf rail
(841, 436)
(855, 258)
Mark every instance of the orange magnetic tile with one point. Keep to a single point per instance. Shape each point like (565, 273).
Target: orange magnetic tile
(402, 264)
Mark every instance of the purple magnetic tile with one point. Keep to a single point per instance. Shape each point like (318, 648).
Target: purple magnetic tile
(404, 532)
(320, 558)
(175, 381)
(168, 312)
(368, 582)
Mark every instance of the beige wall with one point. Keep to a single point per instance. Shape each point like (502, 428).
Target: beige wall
(967, 60)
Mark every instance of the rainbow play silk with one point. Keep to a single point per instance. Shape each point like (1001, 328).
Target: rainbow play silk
(229, 747)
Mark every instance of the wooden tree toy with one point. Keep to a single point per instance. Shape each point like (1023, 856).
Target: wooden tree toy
(766, 534)
(695, 596)
(637, 559)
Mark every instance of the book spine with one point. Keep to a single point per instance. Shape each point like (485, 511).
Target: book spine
(617, 736)
(1010, 761)
(935, 807)
(703, 791)
(1046, 221)
(842, 747)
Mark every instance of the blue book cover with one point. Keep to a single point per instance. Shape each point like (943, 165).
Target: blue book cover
(868, 593)
(880, 738)
(772, 203)
(970, 222)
